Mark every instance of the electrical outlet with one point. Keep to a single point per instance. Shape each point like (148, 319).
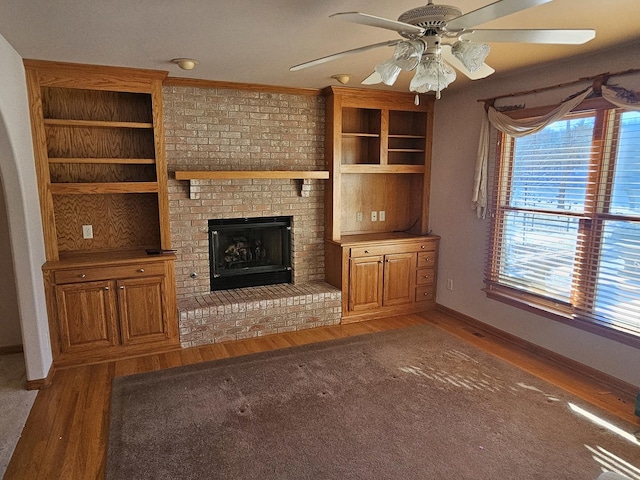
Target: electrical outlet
(87, 231)
(449, 284)
(382, 215)
(374, 216)
(358, 216)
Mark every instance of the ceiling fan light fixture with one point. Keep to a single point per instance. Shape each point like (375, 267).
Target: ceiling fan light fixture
(388, 71)
(432, 74)
(472, 55)
(408, 53)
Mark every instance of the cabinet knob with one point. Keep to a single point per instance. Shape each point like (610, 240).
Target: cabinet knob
(426, 276)
(425, 294)
(121, 287)
(82, 275)
(423, 246)
(141, 270)
(427, 259)
(106, 288)
(366, 251)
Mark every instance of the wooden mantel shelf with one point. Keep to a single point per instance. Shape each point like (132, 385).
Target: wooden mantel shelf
(304, 175)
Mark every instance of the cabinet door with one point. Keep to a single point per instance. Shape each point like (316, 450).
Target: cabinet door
(142, 316)
(399, 278)
(86, 315)
(365, 283)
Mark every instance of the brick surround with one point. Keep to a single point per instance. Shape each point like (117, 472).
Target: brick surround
(228, 129)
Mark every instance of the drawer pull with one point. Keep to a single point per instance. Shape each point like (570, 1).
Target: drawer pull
(106, 288)
(423, 246)
(426, 276)
(121, 287)
(366, 251)
(426, 294)
(82, 275)
(427, 259)
(141, 270)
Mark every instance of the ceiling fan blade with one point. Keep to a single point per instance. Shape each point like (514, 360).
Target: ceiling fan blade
(372, 79)
(335, 56)
(482, 72)
(566, 37)
(373, 21)
(490, 12)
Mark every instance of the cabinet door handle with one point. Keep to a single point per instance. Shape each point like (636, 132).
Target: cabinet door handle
(141, 270)
(106, 288)
(121, 287)
(82, 275)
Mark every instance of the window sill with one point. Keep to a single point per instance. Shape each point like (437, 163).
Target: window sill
(558, 312)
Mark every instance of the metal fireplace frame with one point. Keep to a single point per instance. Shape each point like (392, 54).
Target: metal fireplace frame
(224, 279)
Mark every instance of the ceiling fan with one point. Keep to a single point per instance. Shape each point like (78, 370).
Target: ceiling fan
(437, 37)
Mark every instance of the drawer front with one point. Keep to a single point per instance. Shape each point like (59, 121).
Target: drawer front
(88, 274)
(425, 276)
(426, 259)
(424, 293)
(384, 249)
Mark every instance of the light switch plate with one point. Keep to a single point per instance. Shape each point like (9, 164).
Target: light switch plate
(87, 231)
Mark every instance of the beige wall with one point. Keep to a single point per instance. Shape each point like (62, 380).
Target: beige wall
(464, 236)
(9, 316)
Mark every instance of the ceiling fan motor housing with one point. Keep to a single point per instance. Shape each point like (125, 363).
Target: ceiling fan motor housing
(430, 17)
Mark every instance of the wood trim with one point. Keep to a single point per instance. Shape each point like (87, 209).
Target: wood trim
(11, 349)
(112, 161)
(94, 77)
(254, 87)
(161, 164)
(41, 383)
(56, 122)
(625, 391)
(41, 155)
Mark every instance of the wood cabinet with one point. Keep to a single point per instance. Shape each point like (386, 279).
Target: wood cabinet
(102, 178)
(386, 274)
(110, 308)
(378, 152)
(378, 149)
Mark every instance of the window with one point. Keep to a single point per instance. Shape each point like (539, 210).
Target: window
(566, 221)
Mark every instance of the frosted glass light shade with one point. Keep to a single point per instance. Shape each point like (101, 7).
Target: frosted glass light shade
(472, 55)
(408, 53)
(432, 74)
(388, 71)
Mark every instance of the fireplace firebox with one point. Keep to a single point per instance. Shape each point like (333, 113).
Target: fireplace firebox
(247, 252)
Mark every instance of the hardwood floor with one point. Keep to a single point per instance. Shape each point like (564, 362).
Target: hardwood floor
(66, 434)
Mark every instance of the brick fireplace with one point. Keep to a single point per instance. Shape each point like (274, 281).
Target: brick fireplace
(228, 129)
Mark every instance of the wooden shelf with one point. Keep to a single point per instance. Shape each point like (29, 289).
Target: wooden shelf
(114, 161)
(368, 135)
(103, 188)
(95, 123)
(375, 168)
(304, 175)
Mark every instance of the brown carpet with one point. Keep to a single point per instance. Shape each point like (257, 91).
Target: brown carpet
(414, 403)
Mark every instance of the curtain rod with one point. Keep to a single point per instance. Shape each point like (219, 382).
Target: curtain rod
(598, 81)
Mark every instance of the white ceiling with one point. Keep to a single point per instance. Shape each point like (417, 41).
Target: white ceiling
(256, 41)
